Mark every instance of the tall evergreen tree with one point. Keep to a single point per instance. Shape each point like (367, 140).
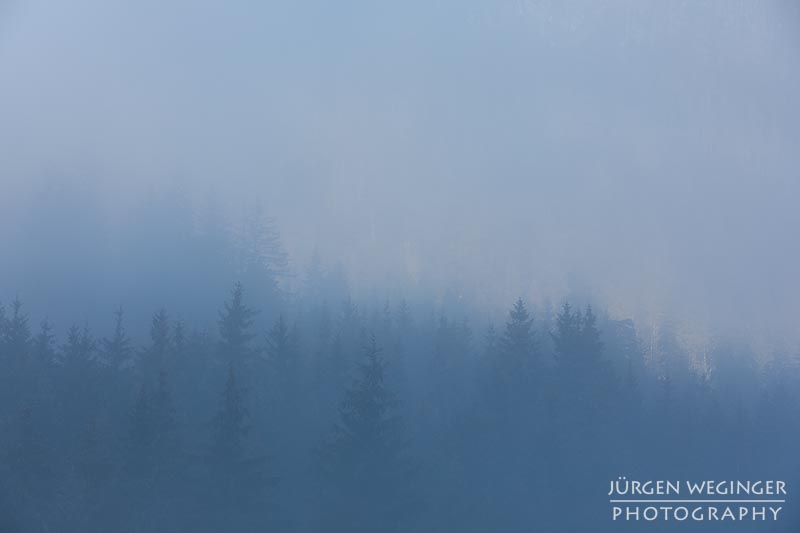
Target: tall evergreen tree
(518, 346)
(585, 383)
(365, 463)
(16, 343)
(283, 357)
(42, 359)
(230, 423)
(237, 479)
(261, 247)
(117, 349)
(179, 340)
(157, 356)
(579, 351)
(154, 429)
(79, 379)
(17, 337)
(44, 345)
(78, 353)
(515, 367)
(235, 321)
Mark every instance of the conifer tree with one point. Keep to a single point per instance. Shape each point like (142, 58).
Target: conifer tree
(566, 338)
(515, 366)
(235, 321)
(261, 247)
(157, 356)
(78, 377)
(590, 338)
(44, 345)
(364, 462)
(518, 346)
(16, 344)
(230, 424)
(17, 336)
(283, 358)
(41, 367)
(179, 340)
(585, 382)
(579, 350)
(79, 350)
(154, 443)
(237, 480)
(117, 349)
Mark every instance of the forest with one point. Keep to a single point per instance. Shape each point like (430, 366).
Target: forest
(303, 266)
(307, 410)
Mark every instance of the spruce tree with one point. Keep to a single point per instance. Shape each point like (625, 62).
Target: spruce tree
(261, 249)
(585, 383)
(157, 356)
(17, 336)
(566, 338)
(44, 352)
(16, 343)
(579, 351)
(230, 423)
(117, 349)
(41, 366)
(154, 439)
(515, 365)
(237, 481)
(79, 380)
(179, 340)
(283, 358)
(235, 321)
(518, 346)
(369, 478)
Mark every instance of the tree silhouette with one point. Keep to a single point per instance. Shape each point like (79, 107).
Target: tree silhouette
(365, 460)
(237, 480)
(235, 321)
(117, 349)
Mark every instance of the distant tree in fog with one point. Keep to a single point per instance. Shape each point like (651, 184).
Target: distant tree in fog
(235, 321)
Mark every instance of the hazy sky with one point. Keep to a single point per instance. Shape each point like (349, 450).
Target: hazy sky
(650, 150)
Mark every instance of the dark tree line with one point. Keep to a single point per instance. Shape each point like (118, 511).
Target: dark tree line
(343, 418)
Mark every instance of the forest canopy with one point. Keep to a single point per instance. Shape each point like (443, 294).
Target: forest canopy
(310, 410)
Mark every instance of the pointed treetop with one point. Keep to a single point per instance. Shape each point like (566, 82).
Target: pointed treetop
(234, 322)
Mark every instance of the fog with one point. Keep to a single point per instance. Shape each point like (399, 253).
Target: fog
(386, 180)
(648, 150)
